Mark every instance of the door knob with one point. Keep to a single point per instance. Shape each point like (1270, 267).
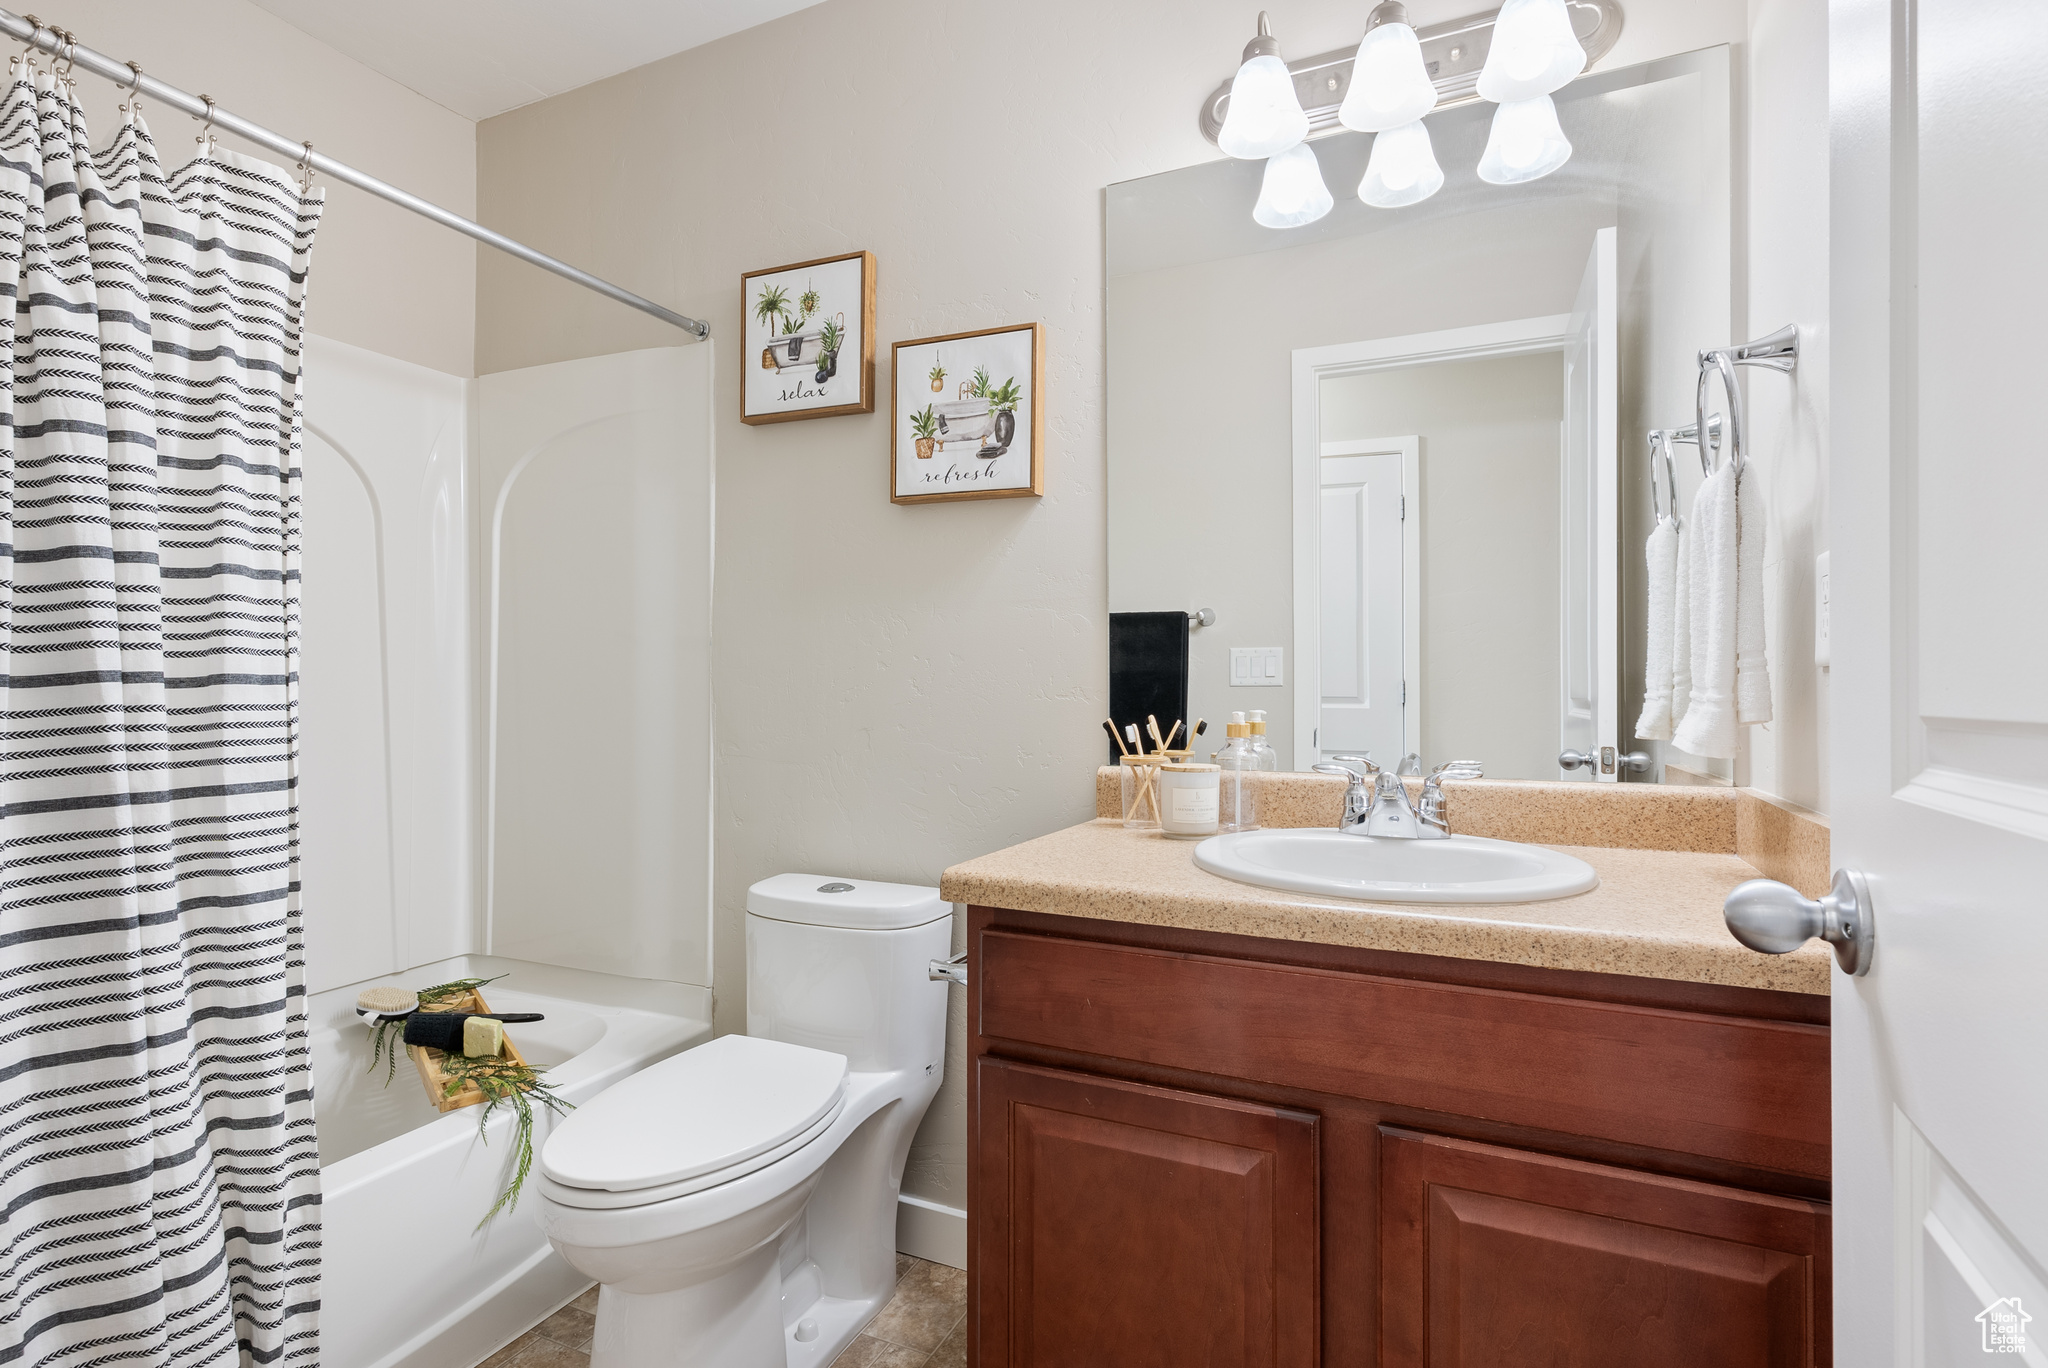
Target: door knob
(1777, 919)
(1571, 760)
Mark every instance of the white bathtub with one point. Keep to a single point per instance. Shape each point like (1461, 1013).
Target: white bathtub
(407, 1281)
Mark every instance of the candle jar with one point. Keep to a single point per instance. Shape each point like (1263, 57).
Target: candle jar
(1189, 799)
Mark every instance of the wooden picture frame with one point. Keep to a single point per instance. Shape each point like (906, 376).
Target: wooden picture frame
(921, 369)
(783, 386)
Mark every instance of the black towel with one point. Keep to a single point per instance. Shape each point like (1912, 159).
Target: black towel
(443, 1030)
(1148, 672)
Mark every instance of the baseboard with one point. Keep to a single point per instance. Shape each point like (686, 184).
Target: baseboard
(927, 1230)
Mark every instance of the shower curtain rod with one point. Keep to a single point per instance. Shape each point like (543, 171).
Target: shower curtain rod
(57, 44)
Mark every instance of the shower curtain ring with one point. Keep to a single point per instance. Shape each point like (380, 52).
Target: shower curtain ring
(28, 55)
(134, 105)
(306, 170)
(205, 138)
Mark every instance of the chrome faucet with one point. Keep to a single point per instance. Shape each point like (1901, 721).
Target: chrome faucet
(1385, 811)
(1355, 800)
(1433, 820)
(1382, 812)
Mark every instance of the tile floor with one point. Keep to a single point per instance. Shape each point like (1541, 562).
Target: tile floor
(923, 1326)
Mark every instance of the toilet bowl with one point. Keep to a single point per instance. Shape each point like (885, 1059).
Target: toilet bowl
(736, 1203)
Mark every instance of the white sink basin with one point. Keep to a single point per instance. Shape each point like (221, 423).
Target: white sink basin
(1460, 869)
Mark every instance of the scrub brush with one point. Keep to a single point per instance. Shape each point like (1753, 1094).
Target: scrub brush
(386, 1004)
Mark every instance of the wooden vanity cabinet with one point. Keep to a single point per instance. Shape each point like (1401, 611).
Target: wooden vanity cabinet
(1191, 1148)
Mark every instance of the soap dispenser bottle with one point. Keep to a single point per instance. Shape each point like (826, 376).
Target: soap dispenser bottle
(1238, 799)
(1263, 755)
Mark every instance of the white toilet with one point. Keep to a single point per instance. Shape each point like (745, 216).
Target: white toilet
(737, 1202)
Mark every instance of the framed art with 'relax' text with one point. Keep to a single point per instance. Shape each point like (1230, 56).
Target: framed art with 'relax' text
(810, 333)
(967, 416)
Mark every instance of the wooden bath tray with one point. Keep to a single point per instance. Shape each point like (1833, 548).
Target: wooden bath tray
(428, 1060)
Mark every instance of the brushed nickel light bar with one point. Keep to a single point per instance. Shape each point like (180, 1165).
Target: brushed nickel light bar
(1453, 52)
(58, 43)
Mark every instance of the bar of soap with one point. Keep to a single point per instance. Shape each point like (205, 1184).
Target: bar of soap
(482, 1038)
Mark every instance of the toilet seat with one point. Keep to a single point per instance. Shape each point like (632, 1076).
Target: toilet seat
(695, 1120)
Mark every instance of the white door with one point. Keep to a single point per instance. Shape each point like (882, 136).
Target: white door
(1363, 585)
(1590, 602)
(1939, 740)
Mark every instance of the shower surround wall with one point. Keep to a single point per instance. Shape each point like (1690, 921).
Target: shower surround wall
(931, 680)
(505, 695)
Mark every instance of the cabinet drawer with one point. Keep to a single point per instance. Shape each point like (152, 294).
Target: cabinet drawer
(1749, 1091)
(1500, 1258)
(1144, 1227)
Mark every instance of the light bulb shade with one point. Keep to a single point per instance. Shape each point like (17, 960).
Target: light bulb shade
(1265, 116)
(1293, 192)
(1403, 168)
(1534, 52)
(1525, 143)
(1390, 85)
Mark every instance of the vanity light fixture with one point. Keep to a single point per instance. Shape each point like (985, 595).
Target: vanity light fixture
(1515, 56)
(1534, 52)
(1390, 85)
(1524, 144)
(1402, 170)
(1292, 192)
(1265, 116)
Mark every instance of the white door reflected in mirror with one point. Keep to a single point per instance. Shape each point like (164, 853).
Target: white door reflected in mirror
(1362, 554)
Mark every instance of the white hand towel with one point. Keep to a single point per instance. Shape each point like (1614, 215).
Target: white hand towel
(1661, 552)
(1752, 667)
(1681, 633)
(1709, 726)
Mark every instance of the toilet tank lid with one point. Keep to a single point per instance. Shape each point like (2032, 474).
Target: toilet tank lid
(858, 904)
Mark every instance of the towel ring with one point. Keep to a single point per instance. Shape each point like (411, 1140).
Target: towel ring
(1660, 444)
(1721, 362)
(1779, 351)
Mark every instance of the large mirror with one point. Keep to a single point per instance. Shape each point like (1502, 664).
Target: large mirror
(1409, 447)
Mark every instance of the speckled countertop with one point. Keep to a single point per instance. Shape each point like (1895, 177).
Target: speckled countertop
(1656, 914)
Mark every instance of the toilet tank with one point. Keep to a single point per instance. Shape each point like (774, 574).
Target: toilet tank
(842, 965)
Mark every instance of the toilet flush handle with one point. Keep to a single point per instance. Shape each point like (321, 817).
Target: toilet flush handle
(952, 970)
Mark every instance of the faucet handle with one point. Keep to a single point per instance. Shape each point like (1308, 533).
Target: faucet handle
(1459, 769)
(1365, 760)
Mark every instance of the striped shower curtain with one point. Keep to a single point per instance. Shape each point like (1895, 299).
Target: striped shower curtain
(159, 1183)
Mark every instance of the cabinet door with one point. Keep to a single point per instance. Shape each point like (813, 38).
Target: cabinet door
(1143, 1227)
(1501, 1258)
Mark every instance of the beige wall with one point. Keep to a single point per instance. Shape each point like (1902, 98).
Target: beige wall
(928, 682)
(383, 278)
(1489, 510)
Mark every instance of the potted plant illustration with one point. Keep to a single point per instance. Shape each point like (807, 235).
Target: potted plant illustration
(793, 334)
(829, 338)
(925, 424)
(808, 301)
(980, 389)
(1003, 401)
(771, 306)
(938, 379)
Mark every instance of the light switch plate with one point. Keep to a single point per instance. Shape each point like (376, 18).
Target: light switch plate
(1823, 628)
(1254, 667)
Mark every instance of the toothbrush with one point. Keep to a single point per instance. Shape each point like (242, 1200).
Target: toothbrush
(1152, 729)
(1110, 727)
(1137, 746)
(1170, 735)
